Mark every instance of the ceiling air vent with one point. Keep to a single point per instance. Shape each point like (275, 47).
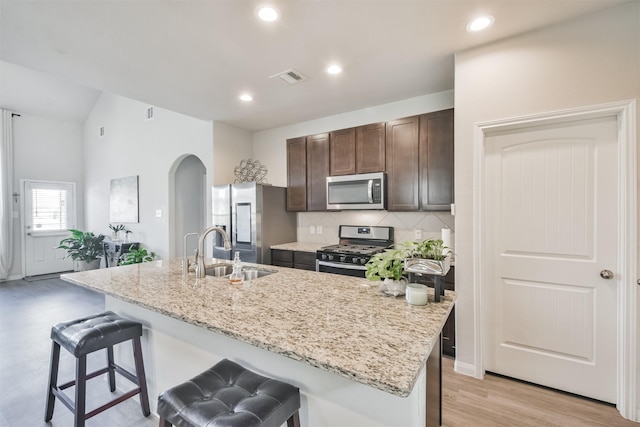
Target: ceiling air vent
(101, 131)
(149, 113)
(290, 76)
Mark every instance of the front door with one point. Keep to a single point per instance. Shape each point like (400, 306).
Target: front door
(551, 244)
(49, 211)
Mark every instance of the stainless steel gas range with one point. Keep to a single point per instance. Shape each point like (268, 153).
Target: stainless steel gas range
(357, 244)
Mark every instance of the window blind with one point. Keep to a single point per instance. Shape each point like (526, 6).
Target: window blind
(49, 209)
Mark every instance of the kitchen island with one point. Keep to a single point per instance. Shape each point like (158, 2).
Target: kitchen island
(357, 356)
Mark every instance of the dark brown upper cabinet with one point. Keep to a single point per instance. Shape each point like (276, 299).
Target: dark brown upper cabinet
(370, 148)
(436, 160)
(403, 164)
(317, 171)
(343, 152)
(297, 174)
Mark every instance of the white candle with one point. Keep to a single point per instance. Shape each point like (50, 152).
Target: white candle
(446, 239)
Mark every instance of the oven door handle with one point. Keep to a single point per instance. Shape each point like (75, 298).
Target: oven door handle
(341, 265)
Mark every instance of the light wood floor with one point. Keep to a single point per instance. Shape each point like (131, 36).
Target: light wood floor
(498, 401)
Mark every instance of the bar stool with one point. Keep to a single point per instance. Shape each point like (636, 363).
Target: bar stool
(229, 395)
(81, 337)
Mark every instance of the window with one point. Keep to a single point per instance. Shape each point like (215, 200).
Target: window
(49, 209)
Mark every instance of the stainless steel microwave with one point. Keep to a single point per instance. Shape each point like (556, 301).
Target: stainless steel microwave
(363, 191)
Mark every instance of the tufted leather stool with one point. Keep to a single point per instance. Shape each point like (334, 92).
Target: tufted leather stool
(228, 395)
(81, 337)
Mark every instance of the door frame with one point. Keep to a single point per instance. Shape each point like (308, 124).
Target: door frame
(627, 309)
(23, 212)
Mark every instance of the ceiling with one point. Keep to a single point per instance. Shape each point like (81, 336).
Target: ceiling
(196, 57)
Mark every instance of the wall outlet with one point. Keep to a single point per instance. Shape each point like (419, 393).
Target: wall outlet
(319, 229)
(312, 229)
(417, 234)
(158, 213)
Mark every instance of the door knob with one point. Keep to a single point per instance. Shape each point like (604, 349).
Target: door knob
(606, 274)
(29, 234)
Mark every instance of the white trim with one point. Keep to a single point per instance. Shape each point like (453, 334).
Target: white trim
(464, 368)
(627, 311)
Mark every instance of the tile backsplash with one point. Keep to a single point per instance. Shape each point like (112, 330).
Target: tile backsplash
(322, 227)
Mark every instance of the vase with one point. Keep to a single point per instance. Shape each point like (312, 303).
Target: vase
(91, 265)
(394, 287)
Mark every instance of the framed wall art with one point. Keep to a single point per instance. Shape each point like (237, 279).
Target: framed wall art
(123, 199)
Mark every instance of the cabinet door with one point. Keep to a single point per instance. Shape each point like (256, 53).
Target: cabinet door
(282, 258)
(370, 148)
(317, 171)
(296, 174)
(304, 260)
(343, 152)
(436, 160)
(402, 164)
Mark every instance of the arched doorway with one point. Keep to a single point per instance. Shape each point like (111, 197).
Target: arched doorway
(188, 203)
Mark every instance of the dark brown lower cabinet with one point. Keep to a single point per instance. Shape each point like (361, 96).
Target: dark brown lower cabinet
(294, 259)
(449, 330)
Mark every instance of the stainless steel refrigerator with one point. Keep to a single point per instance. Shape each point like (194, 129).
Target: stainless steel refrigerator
(255, 217)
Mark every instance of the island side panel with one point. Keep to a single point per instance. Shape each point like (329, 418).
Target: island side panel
(175, 351)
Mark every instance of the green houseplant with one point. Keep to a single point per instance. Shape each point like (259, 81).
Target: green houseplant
(85, 248)
(388, 267)
(136, 256)
(427, 257)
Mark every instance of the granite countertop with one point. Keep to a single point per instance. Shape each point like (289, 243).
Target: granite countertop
(337, 323)
(299, 246)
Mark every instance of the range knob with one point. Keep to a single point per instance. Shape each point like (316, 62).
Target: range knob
(324, 257)
(355, 260)
(343, 258)
(363, 261)
(330, 257)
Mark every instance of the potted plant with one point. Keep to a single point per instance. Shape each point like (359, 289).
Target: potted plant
(85, 248)
(388, 267)
(115, 231)
(136, 256)
(427, 257)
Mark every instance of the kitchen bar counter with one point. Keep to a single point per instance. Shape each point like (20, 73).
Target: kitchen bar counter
(337, 324)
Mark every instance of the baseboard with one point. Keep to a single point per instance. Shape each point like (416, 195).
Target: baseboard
(465, 369)
(637, 415)
(8, 279)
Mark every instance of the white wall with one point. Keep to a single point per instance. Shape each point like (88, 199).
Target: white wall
(149, 149)
(230, 146)
(45, 149)
(271, 149)
(587, 61)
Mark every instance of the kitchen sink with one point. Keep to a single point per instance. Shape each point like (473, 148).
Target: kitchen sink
(251, 273)
(219, 270)
(225, 269)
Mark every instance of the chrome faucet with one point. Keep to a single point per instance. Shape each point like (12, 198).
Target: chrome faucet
(200, 268)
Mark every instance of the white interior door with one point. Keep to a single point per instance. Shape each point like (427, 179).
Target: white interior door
(551, 229)
(49, 212)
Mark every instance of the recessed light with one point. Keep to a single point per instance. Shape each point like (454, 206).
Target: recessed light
(268, 13)
(246, 97)
(334, 69)
(480, 23)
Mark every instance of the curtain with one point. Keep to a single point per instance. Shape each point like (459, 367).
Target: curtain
(6, 190)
